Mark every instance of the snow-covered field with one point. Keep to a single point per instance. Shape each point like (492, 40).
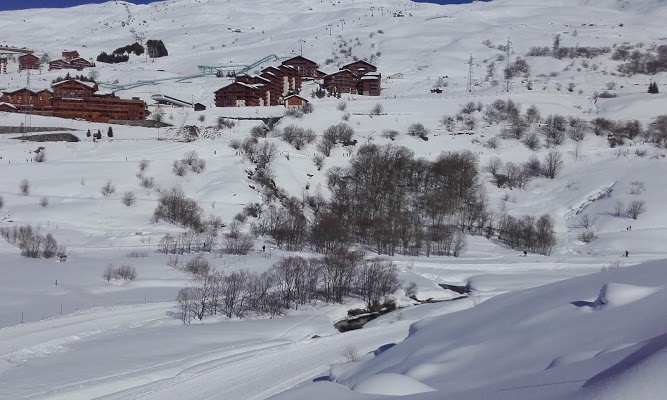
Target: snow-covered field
(86, 338)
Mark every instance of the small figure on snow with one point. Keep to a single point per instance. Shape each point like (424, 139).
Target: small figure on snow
(627, 254)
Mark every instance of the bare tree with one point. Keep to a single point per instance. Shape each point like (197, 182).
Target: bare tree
(128, 198)
(44, 201)
(24, 187)
(108, 273)
(2, 202)
(619, 207)
(350, 353)
(553, 164)
(318, 160)
(635, 209)
(411, 290)
(377, 109)
(108, 189)
(50, 246)
(375, 280)
(143, 165)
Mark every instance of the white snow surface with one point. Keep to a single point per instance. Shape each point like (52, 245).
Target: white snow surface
(581, 336)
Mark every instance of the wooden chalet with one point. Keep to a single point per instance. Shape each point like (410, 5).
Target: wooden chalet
(68, 56)
(343, 81)
(28, 61)
(77, 64)
(76, 100)
(360, 68)
(74, 88)
(239, 94)
(7, 107)
(295, 102)
(370, 84)
(23, 99)
(304, 67)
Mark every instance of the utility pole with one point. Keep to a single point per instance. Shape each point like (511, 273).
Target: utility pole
(382, 11)
(342, 25)
(28, 116)
(471, 86)
(372, 8)
(329, 28)
(508, 77)
(301, 42)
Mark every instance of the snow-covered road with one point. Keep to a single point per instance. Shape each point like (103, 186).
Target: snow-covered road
(236, 359)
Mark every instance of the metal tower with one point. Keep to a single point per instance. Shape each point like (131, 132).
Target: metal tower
(508, 78)
(471, 85)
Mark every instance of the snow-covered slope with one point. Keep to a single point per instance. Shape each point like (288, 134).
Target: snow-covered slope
(596, 337)
(83, 317)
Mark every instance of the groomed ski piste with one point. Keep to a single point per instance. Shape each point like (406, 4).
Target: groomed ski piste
(582, 323)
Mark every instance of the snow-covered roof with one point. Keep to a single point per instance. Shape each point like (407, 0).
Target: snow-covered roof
(370, 78)
(90, 85)
(8, 105)
(296, 95)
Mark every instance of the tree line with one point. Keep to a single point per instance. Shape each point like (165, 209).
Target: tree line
(289, 283)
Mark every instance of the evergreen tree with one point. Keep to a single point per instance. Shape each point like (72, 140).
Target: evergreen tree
(653, 87)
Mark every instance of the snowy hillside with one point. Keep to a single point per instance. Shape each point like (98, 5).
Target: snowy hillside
(57, 316)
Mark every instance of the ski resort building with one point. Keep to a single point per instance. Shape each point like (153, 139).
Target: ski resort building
(28, 61)
(70, 60)
(75, 99)
(68, 56)
(266, 89)
(3, 65)
(304, 67)
(6, 107)
(296, 102)
(342, 81)
(359, 77)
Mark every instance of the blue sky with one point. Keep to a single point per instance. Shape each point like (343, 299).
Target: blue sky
(23, 4)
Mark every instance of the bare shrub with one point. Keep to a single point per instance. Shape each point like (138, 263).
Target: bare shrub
(147, 182)
(635, 209)
(298, 136)
(586, 222)
(2, 202)
(411, 290)
(143, 165)
(179, 168)
(174, 262)
(198, 166)
(258, 131)
(24, 187)
(125, 272)
(587, 236)
(40, 157)
(318, 160)
(44, 201)
(418, 130)
(175, 208)
(128, 198)
(350, 353)
(225, 123)
(532, 141)
(377, 109)
(235, 144)
(238, 243)
(198, 266)
(49, 246)
(342, 106)
(390, 134)
(137, 254)
(108, 189)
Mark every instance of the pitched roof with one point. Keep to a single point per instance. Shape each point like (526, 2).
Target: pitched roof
(299, 58)
(296, 95)
(357, 62)
(340, 71)
(90, 85)
(10, 105)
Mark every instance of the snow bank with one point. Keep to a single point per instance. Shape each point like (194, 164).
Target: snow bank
(391, 385)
